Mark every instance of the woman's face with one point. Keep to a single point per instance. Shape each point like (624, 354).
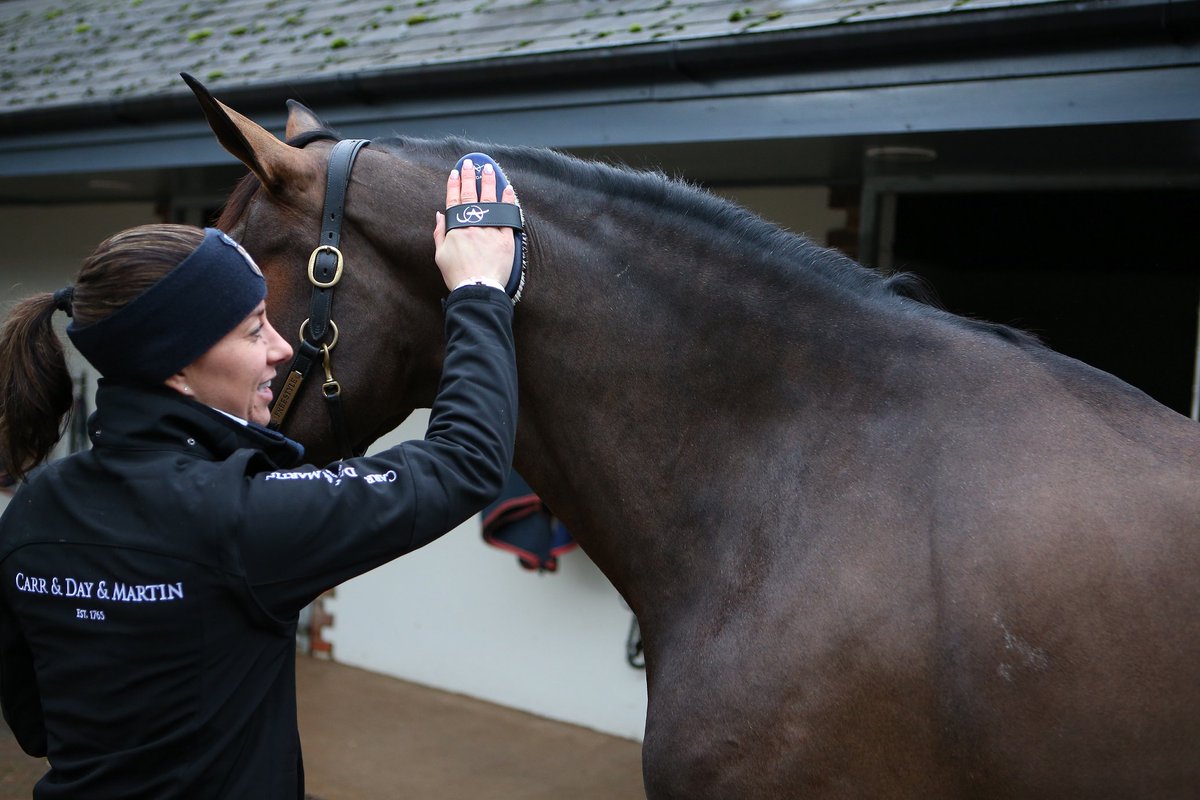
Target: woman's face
(235, 374)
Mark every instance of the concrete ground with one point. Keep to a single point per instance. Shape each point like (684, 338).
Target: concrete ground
(370, 737)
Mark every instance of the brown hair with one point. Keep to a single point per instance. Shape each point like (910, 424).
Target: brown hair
(35, 385)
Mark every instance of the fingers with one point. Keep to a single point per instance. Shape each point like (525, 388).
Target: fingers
(439, 229)
(467, 189)
(460, 187)
(487, 189)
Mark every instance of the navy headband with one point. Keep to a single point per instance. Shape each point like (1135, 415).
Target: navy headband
(179, 318)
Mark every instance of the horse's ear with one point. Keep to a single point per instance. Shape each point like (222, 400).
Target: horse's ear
(301, 119)
(274, 162)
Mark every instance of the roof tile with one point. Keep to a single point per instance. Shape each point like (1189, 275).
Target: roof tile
(78, 52)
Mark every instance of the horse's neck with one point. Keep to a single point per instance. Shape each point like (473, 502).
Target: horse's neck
(646, 368)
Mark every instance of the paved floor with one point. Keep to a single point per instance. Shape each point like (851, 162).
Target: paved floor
(370, 737)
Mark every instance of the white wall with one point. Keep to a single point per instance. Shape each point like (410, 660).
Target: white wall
(44, 245)
(463, 616)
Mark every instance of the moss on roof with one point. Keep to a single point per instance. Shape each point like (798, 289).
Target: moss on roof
(73, 52)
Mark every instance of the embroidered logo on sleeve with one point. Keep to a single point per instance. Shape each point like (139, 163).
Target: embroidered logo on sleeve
(332, 478)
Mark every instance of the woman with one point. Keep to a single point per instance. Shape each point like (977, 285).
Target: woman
(151, 585)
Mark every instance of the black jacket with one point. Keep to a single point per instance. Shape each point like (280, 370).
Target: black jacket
(151, 585)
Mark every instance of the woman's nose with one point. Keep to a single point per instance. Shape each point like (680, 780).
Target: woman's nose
(280, 350)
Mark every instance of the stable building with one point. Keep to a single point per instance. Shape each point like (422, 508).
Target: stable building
(1038, 161)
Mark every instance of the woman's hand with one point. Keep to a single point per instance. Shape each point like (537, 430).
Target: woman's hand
(467, 254)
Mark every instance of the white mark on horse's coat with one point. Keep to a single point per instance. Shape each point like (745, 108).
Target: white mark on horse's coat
(1029, 657)
(622, 272)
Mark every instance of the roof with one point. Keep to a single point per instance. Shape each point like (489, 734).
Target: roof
(63, 54)
(746, 90)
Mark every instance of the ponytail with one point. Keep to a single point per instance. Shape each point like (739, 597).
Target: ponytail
(35, 385)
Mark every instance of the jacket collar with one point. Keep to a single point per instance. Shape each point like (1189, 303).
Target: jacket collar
(135, 417)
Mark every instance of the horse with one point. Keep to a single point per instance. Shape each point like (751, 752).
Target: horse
(875, 549)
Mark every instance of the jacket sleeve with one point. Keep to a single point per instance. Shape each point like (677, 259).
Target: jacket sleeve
(19, 694)
(305, 530)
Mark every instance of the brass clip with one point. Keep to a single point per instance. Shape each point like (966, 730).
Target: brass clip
(330, 387)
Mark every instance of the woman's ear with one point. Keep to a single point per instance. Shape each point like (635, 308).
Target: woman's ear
(179, 383)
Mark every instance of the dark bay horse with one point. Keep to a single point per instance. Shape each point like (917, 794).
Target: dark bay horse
(876, 550)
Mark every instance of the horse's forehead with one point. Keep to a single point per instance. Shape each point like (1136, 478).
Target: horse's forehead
(279, 237)
(282, 227)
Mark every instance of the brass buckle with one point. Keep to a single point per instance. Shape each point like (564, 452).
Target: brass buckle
(312, 264)
(332, 324)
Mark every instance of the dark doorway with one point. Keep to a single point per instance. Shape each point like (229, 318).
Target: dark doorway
(1111, 277)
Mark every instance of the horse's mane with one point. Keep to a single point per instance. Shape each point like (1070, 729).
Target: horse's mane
(717, 216)
(692, 206)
